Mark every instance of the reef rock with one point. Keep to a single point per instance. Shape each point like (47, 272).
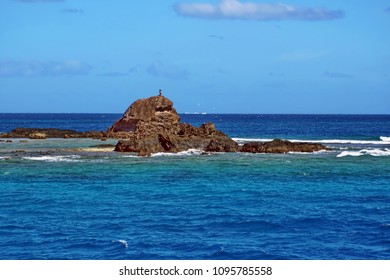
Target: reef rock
(152, 125)
(37, 135)
(279, 146)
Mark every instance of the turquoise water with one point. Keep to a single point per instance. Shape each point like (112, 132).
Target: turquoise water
(59, 203)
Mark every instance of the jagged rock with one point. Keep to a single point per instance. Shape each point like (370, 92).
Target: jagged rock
(152, 125)
(156, 109)
(279, 146)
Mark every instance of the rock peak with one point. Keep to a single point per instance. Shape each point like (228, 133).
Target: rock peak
(153, 109)
(149, 108)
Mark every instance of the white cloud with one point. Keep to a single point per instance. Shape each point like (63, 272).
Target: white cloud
(159, 69)
(235, 9)
(13, 68)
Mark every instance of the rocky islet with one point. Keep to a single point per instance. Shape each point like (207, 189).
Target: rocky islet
(152, 125)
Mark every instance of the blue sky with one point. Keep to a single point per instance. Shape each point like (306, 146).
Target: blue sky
(214, 56)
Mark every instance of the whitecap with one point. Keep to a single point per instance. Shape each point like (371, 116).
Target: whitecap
(131, 156)
(370, 152)
(70, 158)
(246, 140)
(308, 153)
(123, 242)
(184, 153)
(385, 139)
(5, 158)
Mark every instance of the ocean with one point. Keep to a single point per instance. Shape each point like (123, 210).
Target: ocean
(58, 201)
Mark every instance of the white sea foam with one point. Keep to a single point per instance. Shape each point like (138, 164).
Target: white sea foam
(131, 156)
(246, 140)
(70, 158)
(384, 140)
(184, 153)
(308, 153)
(123, 242)
(370, 152)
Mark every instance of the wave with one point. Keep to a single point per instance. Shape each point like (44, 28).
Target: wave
(5, 158)
(123, 242)
(365, 152)
(383, 141)
(131, 156)
(189, 152)
(70, 158)
(309, 153)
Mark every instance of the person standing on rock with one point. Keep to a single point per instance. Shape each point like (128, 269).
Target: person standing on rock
(159, 92)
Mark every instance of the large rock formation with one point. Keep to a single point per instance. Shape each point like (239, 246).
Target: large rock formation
(152, 125)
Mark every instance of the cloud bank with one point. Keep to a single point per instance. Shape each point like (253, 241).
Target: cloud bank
(159, 69)
(235, 9)
(13, 68)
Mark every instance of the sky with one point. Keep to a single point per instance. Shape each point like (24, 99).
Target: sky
(213, 56)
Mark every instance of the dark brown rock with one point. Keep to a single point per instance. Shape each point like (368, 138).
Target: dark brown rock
(152, 125)
(37, 133)
(157, 109)
(281, 147)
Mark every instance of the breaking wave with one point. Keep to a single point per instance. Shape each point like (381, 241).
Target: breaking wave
(70, 158)
(385, 139)
(309, 153)
(122, 242)
(189, 152)
(366, 152)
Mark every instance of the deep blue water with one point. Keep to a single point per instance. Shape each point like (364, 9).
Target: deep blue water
(235, 125)
(58, 203)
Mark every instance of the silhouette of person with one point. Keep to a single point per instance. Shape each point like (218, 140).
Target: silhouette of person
(160, 92)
